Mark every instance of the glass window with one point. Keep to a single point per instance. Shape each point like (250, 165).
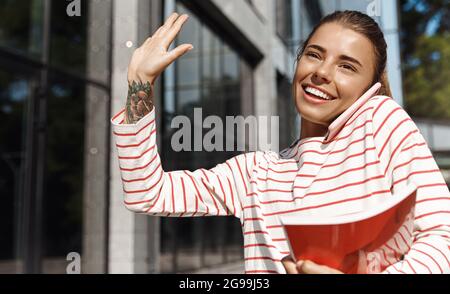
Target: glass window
(289, 121)
(68, 38)
(208, 77)
(14, 93)
(21, 25)
(284, 19)
(64, 174)
(47, 137)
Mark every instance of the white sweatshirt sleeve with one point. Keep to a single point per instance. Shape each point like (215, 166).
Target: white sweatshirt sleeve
(430, 251)
(150, 190)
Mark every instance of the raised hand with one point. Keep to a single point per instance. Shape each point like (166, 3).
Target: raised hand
(148, 62)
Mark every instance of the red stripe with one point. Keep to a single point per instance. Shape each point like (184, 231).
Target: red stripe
(337, 151)
(253, 219)
(209, 192)
(141, 167)
(395, 150)
(146, 190)
(326, 204)
(385, 120)
(173, 196)
(197, 194)
(261, 272)
(416, 173)
(436, 235)
(408, 245)
(396, 244)
(358, 116)
(274, 190)
(347, 158)
(252, 206)
(406, 260)
(256, 232)
(431, 213)
(429, 245)
(393, 250)
(431, 257)
(415, 145)
(143, 179)
(232, 196)
(137, 157)
(119, 114)
(274, 180)
(344, 127)
(385, 256)
(391, 134)
(400, 271)
(246, 165)
(154, 203)
(344, 172)
(275, 227)
(223, 193)
(279, 172)
(134, 134)
(242, 176)
(354, 129)
(138, 144)
(379, 106)
(262, 258)
(337, 188)
(430, 229)
(184, 196)
(411, 160)
(418, 261)
(312, 163)
(432, 185)
(433, 199)
(259, 245)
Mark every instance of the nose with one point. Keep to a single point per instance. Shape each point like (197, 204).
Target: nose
(322, 73)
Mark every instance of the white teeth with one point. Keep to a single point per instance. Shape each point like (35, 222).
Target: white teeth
(318, 93)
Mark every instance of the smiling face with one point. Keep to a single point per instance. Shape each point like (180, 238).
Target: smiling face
(336, 68)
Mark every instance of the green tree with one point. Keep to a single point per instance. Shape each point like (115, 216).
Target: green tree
(425, 40)
(427, 78)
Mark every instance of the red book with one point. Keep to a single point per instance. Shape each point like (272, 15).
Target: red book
(363, 242)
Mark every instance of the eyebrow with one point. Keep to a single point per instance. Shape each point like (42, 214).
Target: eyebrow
(344, 57)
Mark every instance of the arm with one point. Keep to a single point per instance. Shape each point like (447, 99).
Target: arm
(147, 187)
(147, 63)
(407, 158)
(430, 251)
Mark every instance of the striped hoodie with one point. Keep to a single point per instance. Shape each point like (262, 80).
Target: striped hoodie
(370, 151)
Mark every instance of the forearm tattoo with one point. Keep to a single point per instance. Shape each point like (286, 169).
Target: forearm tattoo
(139, 101)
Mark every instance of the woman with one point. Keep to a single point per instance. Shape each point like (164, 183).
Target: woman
(355, 149)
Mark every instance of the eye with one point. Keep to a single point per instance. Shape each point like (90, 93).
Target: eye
(348, 67)
(313, 55)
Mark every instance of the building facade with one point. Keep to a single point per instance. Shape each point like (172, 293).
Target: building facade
(63, 74)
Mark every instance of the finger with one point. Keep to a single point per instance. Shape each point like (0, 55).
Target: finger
(179, 51)
(169, 22)
(309, 267)
(172, 33)
(146, 42)
(289, 265)
(157, 32)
